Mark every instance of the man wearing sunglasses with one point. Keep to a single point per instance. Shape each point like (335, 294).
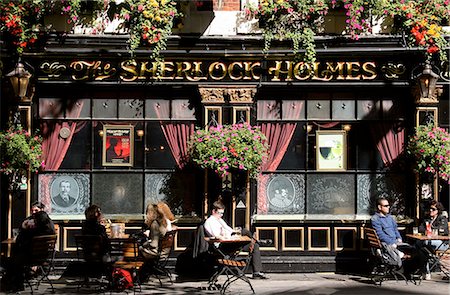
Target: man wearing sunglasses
(215, 226)
(387, 231)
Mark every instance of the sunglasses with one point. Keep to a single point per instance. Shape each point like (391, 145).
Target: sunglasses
(385, 205)
(433, 209)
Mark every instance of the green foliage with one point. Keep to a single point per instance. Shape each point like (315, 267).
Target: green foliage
(20, 152)
(222, 148)
(430, 146)
(291, 20)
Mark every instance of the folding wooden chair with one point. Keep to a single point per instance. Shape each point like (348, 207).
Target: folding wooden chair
(382, 270)
(165, 247)
(41, 256)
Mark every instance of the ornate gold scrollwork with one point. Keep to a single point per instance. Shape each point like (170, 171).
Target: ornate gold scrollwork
(241, 95)
(211, 95)
(54, 69)
(393, 71)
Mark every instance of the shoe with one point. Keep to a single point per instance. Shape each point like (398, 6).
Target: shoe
(259, 276)
(428, 277)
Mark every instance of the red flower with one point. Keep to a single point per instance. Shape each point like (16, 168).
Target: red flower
(433, 49)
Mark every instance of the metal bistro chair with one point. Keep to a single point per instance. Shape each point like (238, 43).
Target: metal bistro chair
(90, 259)
(42, 255)
(232, 265)
(165, 247)
(382, 270)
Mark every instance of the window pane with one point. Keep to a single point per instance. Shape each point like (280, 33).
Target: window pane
(368, 109)
(343, 110)
(158, 152)
(295, 155)
(131, 108)
(268, 110)
(118, 194)
(318, 109)
(78, 109)
(330, 194)
(105, 108)
(50, 108)
(285, 193)
(78, 155)
(293, 109)
(157, 109)
(181, 110)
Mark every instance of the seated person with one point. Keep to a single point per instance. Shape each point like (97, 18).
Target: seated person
(215, 226)
(155, 228)
(93, 226)
(387, 231)
(39, 224)
(438, 222)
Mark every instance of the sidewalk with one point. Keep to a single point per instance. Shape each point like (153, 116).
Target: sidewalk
(298, 283)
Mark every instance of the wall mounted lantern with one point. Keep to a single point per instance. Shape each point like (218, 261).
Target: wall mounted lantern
(20, 80)
(426, 81)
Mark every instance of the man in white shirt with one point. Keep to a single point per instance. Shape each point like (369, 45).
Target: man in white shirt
(215, 226)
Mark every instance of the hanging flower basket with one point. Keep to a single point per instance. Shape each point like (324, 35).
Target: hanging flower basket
(222, 148)
(430, 147)
(20, 152)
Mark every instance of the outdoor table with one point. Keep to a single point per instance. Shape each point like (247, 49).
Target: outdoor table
(434, 258)
(227, 250)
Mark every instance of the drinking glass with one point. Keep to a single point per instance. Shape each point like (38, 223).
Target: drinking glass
(435, 232)
(415, 230)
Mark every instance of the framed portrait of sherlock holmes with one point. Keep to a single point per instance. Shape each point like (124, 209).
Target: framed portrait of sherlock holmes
(331, 150)
(118, 145)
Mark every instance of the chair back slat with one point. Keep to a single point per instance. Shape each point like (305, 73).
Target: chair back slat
(42, 248)
(372, 237)
(89, 247)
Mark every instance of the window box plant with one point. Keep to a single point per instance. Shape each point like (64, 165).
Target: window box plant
(222, 148)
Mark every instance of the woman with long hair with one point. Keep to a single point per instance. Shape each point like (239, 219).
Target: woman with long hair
(168, 215)
(155, 227)
(438, 222)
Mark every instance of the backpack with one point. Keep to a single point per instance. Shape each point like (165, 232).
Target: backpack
(121, 280)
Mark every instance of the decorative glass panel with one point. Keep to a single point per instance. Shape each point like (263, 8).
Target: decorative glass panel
(330, 194)
(368, 109)
(181, 110)
(78, 109)
(293, 110)
(318, 109)
(64, 194)
(373, 186)
(157, 109)
(285, 193)
(118, 194)
(50, 108)
(268, 110)
(105, 109)
(154, 187)
(131, 108)
(343, 110)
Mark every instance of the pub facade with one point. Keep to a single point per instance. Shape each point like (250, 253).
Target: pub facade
(116, 133)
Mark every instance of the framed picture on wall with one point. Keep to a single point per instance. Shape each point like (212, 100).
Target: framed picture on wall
(118, 145)
(241, 115)
(331, 150)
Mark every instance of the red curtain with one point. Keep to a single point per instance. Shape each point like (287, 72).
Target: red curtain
(54, 147)
(390, 141)
(177, 136)
(278, 136)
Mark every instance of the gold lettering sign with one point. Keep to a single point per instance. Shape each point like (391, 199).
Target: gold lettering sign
(194, 71)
